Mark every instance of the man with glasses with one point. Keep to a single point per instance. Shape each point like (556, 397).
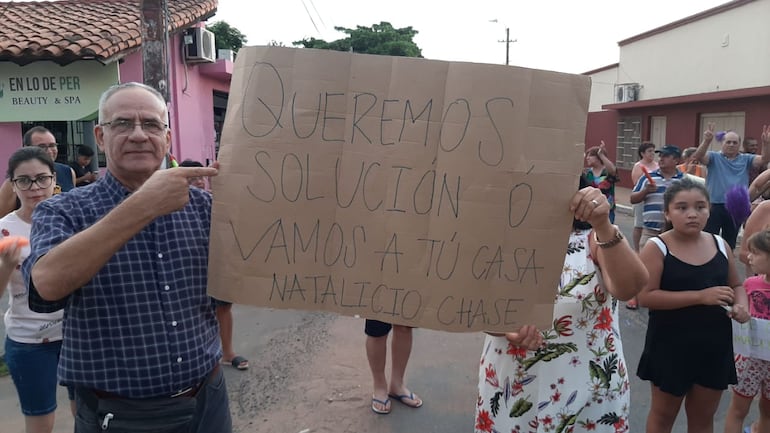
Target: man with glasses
(141, 341)
(41, 137)
(726, 169)
(65, 177)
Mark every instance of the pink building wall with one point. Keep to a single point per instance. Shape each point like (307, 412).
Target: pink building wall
(191, 109)
(192, 98)
(191, 91)
(131, 68)
(10, 140)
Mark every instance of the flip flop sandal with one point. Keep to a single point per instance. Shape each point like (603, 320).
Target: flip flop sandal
(386, 404)
(238, 363)
(403, 399)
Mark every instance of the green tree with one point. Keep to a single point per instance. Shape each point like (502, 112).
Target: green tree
(380, 38)
(226, 36)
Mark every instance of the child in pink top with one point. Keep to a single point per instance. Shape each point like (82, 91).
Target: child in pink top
(754, 373)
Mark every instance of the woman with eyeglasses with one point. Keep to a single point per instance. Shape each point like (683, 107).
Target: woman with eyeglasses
(33, 340)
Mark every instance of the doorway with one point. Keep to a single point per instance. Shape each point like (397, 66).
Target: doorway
(658, 131)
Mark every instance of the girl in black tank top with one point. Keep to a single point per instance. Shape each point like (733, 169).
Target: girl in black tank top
(693, 292)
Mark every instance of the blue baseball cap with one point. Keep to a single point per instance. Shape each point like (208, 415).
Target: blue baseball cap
(669, 149)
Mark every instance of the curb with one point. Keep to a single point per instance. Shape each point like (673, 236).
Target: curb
(624, 209)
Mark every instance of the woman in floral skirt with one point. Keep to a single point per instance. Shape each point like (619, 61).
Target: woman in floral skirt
(577, 381)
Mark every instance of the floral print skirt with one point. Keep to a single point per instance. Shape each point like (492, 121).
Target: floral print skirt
(578, 381)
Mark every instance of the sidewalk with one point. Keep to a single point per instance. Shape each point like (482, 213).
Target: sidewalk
(623, 201)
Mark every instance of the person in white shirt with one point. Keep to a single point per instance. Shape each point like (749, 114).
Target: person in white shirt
(646, 154)
(33, 340)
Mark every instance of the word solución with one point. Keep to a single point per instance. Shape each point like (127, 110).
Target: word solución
(366, 118)
(292, 178)
(376, 187)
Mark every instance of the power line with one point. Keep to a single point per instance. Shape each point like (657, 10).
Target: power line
(309, 15)
(318, 14)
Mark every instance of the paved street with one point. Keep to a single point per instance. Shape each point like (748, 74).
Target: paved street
(309, 374)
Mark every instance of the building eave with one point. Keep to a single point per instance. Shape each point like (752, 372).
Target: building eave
(687, 20)
(751, 92)
(602, 69)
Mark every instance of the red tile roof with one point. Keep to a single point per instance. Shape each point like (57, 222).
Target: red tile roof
(70, 30)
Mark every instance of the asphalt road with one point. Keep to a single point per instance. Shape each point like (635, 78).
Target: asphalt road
(309, 375)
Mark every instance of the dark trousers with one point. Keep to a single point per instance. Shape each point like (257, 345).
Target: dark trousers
(207, 412)
(720, 219)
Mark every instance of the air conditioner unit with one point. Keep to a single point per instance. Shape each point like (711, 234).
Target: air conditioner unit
(199, 46)
(226, 55)
(627, 92)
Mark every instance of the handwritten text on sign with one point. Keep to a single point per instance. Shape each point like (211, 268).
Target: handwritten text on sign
(752, 338)
(416, 192)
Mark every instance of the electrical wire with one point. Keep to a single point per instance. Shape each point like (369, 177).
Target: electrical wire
(318, 14)
(309, 15)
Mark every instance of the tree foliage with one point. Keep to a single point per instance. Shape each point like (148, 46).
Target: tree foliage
(380, 38)
(227, 37)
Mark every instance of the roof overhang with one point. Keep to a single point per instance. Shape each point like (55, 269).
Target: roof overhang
(751, 92)
(684, 21)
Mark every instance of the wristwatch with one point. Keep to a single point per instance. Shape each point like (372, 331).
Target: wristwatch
(610, 243)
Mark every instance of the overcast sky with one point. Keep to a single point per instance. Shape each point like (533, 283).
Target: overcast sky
(562, 35)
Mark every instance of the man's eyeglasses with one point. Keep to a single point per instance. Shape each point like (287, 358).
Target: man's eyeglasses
(125, 126)
(24, 183)
(47, 145)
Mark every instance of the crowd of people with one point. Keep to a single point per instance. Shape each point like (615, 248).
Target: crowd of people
(685, 234)
(131, 332)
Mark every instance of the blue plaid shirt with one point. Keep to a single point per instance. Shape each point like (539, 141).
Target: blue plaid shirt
(143, 326)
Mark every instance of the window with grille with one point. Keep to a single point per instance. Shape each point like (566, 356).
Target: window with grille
(629, 139)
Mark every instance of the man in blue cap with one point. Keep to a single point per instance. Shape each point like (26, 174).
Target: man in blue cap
(651, 193)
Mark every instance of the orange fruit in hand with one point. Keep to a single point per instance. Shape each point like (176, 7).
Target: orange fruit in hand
(7, 241)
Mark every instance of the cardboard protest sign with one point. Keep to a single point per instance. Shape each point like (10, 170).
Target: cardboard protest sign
(751, 338)
(418, 192)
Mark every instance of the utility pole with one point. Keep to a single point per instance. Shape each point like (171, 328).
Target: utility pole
(507, 44)
(155, 45)
(507, 40)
